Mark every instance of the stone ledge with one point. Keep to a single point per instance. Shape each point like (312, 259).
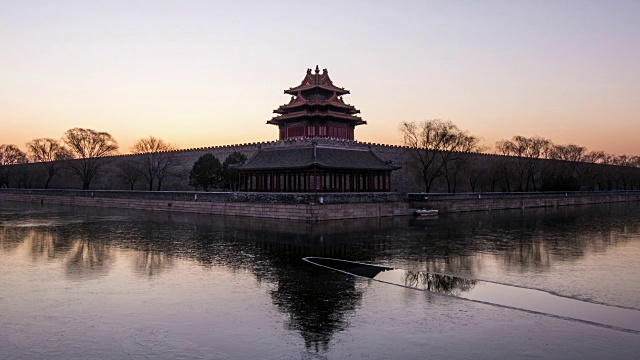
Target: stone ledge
(262, 210)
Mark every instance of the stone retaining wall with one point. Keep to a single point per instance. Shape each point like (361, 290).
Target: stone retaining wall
(496, 201)
(304, 207)
(312, 207)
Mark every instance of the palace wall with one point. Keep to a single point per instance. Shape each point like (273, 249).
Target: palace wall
(110, 177)
(482, 172)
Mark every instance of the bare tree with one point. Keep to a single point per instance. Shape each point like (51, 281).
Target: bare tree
(566, 169)
(155, 159)
(433, 144)
(624, 171)
(479, 173)
(569, 152)
(592, 173)
(527, 151)
(129, 173)
(48, 152)
(90, 148)
(9, 155)
(635, 162)
(459, 160)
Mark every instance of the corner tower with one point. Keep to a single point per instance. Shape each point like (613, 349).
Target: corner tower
(316, 109)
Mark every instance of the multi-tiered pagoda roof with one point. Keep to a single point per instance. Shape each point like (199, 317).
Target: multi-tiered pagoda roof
(316, 109)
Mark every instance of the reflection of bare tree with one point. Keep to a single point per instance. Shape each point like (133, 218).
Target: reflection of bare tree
(151, 262)
(527, 256)
(318, 303)
(444, 284)
(88, 258)
(12, 237)
(42, 244)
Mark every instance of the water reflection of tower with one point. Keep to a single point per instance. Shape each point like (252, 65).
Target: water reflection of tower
(318, 302)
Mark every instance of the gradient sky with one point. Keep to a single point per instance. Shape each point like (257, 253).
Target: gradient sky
(204, 73)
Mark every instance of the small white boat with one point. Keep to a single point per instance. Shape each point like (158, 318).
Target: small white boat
(425, 212)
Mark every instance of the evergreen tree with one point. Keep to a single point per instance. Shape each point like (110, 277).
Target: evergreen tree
(206, 173)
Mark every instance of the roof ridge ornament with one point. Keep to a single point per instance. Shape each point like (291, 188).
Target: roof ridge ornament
(317, 69)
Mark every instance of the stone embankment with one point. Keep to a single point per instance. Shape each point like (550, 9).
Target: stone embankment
(497, 201)
(311, 207)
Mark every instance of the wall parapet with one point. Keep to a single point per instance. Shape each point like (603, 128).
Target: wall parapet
(227, 197)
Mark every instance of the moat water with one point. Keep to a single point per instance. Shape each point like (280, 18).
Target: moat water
(92, 283)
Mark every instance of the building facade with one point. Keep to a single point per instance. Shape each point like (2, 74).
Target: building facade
(332, 161)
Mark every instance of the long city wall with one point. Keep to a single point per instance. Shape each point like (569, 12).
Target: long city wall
(111, 176)
(480, 173)
(308, 207)
(447, 203)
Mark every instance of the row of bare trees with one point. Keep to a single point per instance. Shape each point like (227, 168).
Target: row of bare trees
(84, 153)
(446, 157)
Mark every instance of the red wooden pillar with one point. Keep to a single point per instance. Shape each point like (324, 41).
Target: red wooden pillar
(343, 185)
(315, 181)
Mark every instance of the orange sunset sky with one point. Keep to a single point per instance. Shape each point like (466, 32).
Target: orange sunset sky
(205, 73)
